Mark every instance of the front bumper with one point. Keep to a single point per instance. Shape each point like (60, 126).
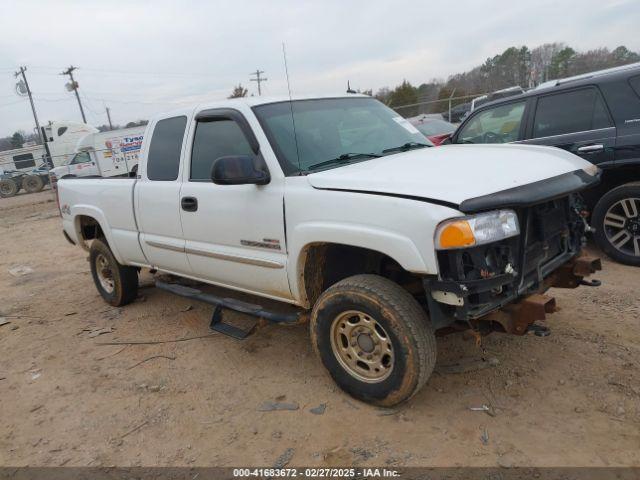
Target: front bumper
(493, 283)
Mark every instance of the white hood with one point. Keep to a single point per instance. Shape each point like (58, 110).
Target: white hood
(452, 173)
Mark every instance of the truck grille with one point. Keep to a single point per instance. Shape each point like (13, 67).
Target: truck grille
(494, 274)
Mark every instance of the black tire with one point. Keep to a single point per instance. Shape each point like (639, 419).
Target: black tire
(118, 284)
(404, 323)
(33, 183)
(620, 209)
(8, 187)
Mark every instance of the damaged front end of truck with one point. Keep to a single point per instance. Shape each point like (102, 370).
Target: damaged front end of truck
(489, 284)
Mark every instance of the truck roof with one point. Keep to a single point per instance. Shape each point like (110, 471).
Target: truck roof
(251, 102)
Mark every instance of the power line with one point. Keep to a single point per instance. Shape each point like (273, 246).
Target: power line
(73, 85)
(258, 79)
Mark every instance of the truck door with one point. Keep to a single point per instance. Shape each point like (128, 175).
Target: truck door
(157, 198)
(234, 233)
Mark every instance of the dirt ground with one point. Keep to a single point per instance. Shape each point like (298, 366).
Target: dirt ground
(570, 399)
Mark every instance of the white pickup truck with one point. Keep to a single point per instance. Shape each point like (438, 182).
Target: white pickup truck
(340, 208)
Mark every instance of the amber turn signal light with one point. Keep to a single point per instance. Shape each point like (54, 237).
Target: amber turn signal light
(456, 235)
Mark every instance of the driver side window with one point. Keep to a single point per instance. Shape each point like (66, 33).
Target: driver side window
(499, 124)
(215, 139)
(82, 157)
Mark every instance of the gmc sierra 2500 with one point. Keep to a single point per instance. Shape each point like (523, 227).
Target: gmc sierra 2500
(338, 207)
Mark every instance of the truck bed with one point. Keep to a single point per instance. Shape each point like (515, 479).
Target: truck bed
(110, 202)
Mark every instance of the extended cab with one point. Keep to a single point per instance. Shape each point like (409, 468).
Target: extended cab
(340, 208)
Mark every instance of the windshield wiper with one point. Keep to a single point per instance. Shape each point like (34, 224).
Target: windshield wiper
(405, 147)
(344, 158)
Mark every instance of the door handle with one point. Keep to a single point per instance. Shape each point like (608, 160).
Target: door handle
(189, 204)
(591, 148)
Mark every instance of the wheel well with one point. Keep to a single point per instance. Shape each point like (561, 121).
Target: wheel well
(325, 264)
(89, 227)
(611, 178)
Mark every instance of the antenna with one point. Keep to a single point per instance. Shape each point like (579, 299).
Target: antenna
(293, 120)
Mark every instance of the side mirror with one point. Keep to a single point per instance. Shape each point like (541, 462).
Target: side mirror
(237, 170)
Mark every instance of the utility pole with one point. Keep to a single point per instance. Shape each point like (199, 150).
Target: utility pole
(258, 79)
(109, 117)
(73, 86)
(33, 107)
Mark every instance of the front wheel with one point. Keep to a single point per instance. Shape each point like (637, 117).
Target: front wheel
(616, 219)
(374, 339)
(118, 284)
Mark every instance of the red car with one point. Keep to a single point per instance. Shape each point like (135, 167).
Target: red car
(434, 128)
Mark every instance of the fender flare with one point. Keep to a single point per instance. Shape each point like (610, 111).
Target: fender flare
(90, 211)
(398, 247)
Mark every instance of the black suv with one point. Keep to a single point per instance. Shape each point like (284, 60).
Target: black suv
(595, 116)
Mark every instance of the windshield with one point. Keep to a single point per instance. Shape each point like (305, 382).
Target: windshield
(334, 132)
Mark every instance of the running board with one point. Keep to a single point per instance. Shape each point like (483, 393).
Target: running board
(232, 304)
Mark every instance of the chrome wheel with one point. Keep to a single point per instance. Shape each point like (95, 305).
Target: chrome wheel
(622, 226)
(362, 346)
(104, 273)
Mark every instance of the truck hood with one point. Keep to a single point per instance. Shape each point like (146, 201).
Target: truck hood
(457, 174)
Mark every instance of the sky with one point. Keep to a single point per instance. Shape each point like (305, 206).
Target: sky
(144, 57)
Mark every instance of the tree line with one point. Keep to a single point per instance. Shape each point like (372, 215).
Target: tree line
(516, 66)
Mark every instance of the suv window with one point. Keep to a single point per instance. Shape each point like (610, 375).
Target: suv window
(163, 161)
(215, 139)
(500, 124)
(82, 157)
(569, 112)
(635, 84)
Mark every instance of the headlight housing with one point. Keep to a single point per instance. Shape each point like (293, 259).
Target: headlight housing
(475, 230)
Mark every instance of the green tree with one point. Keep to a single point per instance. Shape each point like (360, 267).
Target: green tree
(238, 92)
(17, 140)
(622, 55)
(561, 63)
(404, 94)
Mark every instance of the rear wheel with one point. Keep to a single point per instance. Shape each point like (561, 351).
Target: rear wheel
(374, 339)
(33, 183)
(616, 219)
(118, 284)
(8, 187)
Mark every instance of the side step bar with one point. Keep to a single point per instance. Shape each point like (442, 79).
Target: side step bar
(232, 304)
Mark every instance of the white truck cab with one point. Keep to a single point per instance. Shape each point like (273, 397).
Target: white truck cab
(105, 154)
(338, 207)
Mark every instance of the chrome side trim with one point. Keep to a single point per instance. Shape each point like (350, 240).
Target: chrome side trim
(164, 246)
(236, 258)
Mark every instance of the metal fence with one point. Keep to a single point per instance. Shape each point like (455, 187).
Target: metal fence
(444, 106)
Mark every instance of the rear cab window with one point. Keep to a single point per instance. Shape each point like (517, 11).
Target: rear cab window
(499, 124)
(570, 112)
(163, 159)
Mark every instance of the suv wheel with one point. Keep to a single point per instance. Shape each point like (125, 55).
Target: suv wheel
(118, 284)
(374, 339)
(616, 219)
